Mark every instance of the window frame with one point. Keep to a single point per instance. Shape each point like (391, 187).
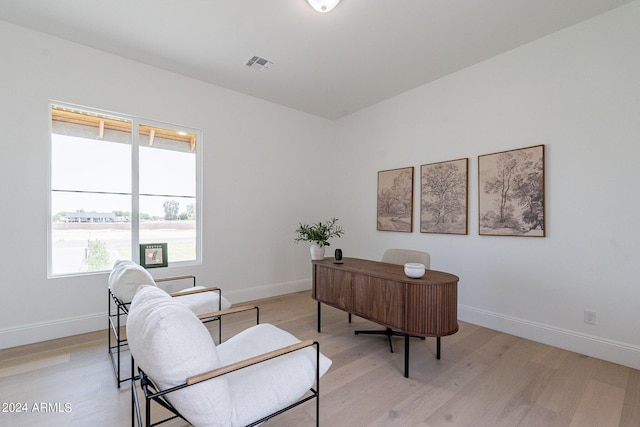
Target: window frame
(136, 122)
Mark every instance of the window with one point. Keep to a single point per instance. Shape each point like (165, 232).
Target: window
(117, 181)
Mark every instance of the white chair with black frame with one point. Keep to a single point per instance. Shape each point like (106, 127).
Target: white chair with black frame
(125, 279)
(399, 257)
(252, 377)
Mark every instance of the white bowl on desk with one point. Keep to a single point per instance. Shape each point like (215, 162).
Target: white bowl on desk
(415, 270)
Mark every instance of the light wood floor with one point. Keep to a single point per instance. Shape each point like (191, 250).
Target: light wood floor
(484, 378)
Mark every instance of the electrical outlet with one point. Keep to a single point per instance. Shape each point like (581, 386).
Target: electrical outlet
(590, 317)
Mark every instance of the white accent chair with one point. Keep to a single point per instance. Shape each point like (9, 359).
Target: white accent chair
(399, 257)
(250, 378)
(403, 256)
(125, 279)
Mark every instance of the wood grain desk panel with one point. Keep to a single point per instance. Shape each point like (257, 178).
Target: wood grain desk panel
(382, 293)
(336, 287)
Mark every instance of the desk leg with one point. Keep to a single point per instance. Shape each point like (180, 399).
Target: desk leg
(318, 316)
(438, 348)
(406, 356)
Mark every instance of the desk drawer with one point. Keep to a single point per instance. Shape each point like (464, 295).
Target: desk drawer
(336, 287)
(379, 300)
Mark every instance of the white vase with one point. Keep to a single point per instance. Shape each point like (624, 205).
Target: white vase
(317, 252)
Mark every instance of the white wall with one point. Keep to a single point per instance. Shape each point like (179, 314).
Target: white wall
(577, 92)
(255, 188)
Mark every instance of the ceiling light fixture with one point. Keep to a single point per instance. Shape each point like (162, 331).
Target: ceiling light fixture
(323, 6)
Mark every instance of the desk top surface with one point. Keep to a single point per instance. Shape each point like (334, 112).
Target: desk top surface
(388, 271)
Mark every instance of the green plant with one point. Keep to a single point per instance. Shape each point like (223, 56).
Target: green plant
(97, 256)
(319, 232)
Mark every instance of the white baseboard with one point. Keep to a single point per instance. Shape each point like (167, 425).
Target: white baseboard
(44, 331)
(266, 291)
(600, 348)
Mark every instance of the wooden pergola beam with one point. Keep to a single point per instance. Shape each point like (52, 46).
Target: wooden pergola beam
(102, 123)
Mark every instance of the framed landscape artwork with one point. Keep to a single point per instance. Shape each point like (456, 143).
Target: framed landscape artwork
(395, 200)
(444, 196)
(153, 255)
(511, 193)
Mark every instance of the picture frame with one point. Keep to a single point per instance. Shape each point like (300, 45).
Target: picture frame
(395, 200)
(511, 193)
(153, 255)
(444, 197)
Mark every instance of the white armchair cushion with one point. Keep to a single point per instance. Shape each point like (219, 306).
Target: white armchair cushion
(125, 278)
(170, 344)
(267, 387)
(203, 302)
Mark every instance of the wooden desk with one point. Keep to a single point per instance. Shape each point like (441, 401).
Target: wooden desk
(382, 293)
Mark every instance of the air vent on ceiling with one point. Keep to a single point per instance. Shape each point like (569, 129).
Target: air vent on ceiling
(258, 63)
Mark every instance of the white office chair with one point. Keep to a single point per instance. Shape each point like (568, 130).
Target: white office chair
(250, 378)
(125, 279)
(399, 257)
(403, 256)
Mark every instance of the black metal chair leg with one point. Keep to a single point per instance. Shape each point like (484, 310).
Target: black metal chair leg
(119, 347)
(406, 356)
(135, 403)
(438, 348)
